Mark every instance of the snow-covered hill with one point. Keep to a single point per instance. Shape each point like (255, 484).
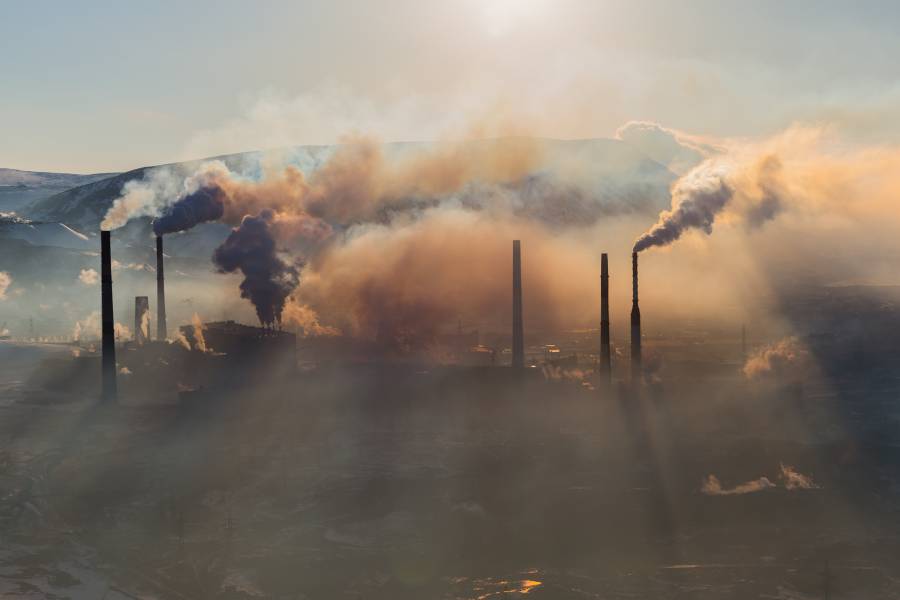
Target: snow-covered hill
(18, 188)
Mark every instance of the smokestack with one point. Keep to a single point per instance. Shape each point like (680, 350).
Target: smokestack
(605, 364)
(161, 332)
(141, 314)
(108, 323)
(518, 344)
(635, 323)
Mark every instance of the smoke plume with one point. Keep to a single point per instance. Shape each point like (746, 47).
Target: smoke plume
(793, 480)
(202, 206)
(304, 318)
(696, 200)
(399, 283)
(776, 360)
(145, 325)
(199, 339)
(268, 277)
(5, 282)
(713, 487)
(87, 328)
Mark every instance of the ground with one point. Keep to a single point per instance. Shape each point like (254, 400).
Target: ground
(375, 481)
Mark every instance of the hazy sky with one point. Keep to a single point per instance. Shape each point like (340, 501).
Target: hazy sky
(94, 86)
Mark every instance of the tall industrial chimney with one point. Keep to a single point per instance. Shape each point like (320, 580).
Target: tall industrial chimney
(107, 319)
(605, 364)
(518, 343)
(161, 332)
(636, 373)
(141, 320)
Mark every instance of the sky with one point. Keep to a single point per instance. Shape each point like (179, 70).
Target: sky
(106, 86)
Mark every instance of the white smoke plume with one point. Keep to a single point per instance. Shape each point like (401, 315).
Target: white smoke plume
(5, 282)
(696, 200)
(88, 328)
(144, 197)
(776, 360)
(199, 340)
(145, 325)
(89, 277)
(178, 338)
(121, 331)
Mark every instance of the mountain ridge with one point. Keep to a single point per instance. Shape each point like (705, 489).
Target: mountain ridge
(615, 169)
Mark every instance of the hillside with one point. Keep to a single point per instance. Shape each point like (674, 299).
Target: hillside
(20, 188)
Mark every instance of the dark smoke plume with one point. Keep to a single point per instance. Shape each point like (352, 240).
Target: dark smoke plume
(268, 278)
(206, 204)
(696, 200)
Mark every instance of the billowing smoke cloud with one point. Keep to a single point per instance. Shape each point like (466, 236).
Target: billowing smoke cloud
(285, 210)
(400, 283)
(304, 318)
(777, 360)
(696, 200)
(144, 197)
(268, 277)
(89, 276)
(5, 282)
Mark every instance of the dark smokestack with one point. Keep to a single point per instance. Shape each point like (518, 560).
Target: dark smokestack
(518, 344)
(141, 313)
(161, 332)
(108, 323)
(635, 322)
(605, 364)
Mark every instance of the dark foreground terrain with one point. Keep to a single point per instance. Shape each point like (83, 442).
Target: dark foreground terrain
(405, 482)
